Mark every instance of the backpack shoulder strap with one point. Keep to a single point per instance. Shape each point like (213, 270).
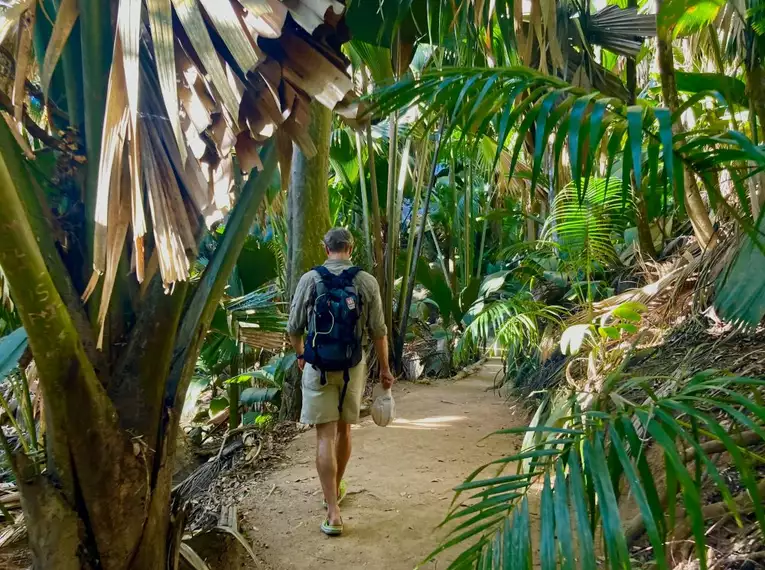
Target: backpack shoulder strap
(349, 274)
(320, 286)
(323, 272)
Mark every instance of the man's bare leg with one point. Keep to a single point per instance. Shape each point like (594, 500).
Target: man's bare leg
(326, 465)
(342, 450)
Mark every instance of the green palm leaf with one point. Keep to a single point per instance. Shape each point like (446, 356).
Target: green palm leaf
(583, 500)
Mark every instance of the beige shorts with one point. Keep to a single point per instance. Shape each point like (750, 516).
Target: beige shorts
(321, 403)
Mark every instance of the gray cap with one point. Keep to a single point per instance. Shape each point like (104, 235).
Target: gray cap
(338, 240)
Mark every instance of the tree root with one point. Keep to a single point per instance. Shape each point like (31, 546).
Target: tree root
(716, 510)
(636, 527)
(744, 439)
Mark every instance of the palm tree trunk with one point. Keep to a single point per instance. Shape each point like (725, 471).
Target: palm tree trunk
(391, 216)
(376, 217)
(103, 498)
(479, 265)
(454, 234)
(399, 348)
(309, 197)
(418, 183)
(440, 255)
(308, 207)
(364, 203)
(698, 214)
(756, 93)
(234, 417)
(379, 268)
(531, 227)
(644, 230)
(467, 238)
(755, 90)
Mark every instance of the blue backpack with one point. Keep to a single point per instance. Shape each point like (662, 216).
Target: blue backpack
(333, 342)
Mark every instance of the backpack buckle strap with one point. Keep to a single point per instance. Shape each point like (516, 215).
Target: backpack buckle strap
(346, 380)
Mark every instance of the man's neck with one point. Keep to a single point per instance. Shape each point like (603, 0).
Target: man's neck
(338, 257)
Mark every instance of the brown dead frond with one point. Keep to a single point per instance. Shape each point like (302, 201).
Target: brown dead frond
(179, 108)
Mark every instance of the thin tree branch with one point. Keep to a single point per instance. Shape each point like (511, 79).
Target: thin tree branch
(34, 129)
(418, 247)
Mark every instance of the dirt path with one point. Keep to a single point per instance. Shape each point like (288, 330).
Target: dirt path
(400, 480)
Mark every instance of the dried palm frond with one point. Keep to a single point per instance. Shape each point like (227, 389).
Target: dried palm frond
(5, 292)
(252, 336)
(191, 82)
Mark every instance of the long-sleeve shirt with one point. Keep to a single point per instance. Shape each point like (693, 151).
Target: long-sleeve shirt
(372, 317)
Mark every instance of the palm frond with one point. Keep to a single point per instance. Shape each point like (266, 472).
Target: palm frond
(514, 324)
(217, 78)
(507, 104)
(584, 226)
(739, 298)
(620, 30)
(583, 459)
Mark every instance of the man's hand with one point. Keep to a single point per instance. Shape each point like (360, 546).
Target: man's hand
(387, 379)
(381, 348)
(297, 345)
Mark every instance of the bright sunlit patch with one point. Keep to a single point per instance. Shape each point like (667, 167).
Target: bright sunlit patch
(436, 422)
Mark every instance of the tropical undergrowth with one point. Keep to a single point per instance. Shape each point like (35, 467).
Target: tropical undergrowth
(585, 455)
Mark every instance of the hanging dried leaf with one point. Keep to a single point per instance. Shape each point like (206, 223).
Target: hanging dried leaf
(197, 146)
(129, 27)
(265, 17)
(550, 20)
(161, 22)
(189, 170)
(20, 138)
(196, 116)
(112, 141)
(119, 216)
(221, 180)
(10, 15)
(536, 33)
(194, 25)
(309, 14)
(296, 126)
(171, 189)
(193, 177)
(226, 22)
(524, 42)
(66, 17)
(247, 152)
(168, 241)
(174, 118)
(284, 155)
(23, 60)
(309, 70)
(222, 135)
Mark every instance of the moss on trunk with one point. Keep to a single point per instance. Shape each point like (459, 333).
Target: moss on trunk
(103, 500)
(308, 221)
(698, 214)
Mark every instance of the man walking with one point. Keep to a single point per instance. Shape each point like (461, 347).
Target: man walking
(340, 308)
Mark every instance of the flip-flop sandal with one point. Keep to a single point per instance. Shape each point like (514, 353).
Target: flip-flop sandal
(331, 529)
(341, 496)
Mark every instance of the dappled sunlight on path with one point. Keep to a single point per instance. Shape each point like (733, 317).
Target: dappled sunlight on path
(427, 423)
(400, 481)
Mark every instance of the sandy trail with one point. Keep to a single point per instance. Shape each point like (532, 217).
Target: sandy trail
(400, 481)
